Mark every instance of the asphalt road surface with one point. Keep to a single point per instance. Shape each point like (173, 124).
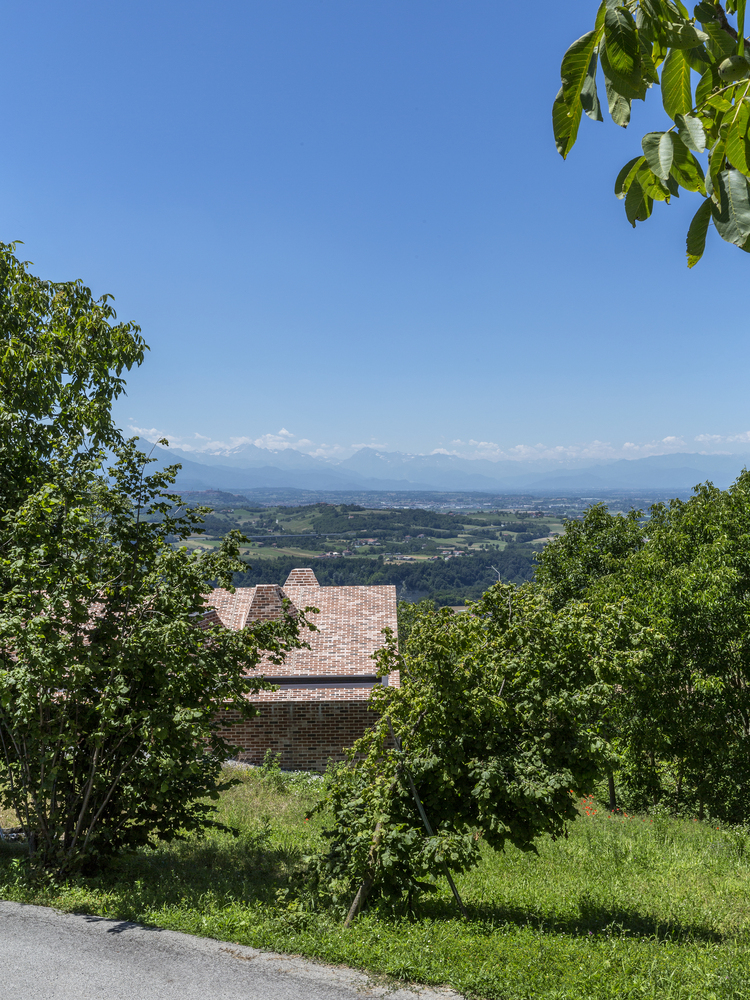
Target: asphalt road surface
(46, 955)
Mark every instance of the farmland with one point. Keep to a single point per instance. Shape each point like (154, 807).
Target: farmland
(448, 557)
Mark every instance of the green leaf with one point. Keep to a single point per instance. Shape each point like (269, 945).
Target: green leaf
(666, 154)
(575, 67)
(686, 170)
(648, 67)
(652, 185)
(619, 106)
(675, 84)
(716, 161)
(696, 237)
(721, 101)
(705, 11)
(645, 25)
(692, 133)
(632, 88)
(737, 146)
(709, 82)
(565, 124)
(589, 95)
(677, 8)
(720, 44)
(626, 175)
(652, 16)
(658, 148)
(659, 53)
(637, 205)
(732, 219)
(623, 50)
(683, 36)
(698, 59)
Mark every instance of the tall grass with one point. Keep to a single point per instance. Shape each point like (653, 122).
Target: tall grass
(624, 907)
(7, 818)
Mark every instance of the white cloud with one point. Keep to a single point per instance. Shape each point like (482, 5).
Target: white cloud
(473, 448)
(591, 450)
(281, 440)
(743, 437)
(370, 444)
(151, 434)
(202, 443)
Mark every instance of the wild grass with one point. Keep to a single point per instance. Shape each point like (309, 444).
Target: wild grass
(7, 818)
(625, 907)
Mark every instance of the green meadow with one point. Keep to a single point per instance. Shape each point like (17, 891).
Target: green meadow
(623, 907)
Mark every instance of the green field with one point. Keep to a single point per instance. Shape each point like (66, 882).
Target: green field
(349, 545)
(625, 907)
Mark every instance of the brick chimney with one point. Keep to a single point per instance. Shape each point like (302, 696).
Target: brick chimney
(266, 603)
(302, 578)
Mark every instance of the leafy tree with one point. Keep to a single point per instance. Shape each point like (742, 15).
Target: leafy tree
(693, 577)
(111, 672)
(644, 43)
(497, 722)
(683, 728)
(589, 549)
(62, 360)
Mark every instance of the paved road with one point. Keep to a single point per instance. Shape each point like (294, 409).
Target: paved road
(46, 955)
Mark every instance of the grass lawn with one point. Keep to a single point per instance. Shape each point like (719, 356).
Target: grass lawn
(623, 908)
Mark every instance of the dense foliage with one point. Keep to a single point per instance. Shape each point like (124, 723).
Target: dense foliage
(639, 44)
(62, 358)
(683, 731)
(498, 726)
(110, 675)
(446, 582)
(628, 657)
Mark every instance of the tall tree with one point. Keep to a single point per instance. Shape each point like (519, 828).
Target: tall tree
(112, 670)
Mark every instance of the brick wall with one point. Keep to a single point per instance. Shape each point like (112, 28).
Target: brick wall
(306, 734)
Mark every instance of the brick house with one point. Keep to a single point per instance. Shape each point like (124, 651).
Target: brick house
(322, 702)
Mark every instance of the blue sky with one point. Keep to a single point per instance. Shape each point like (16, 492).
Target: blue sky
(347, 219)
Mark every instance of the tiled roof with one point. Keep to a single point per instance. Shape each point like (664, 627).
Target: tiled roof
(232, 609)
(349, 621)
(350, 626)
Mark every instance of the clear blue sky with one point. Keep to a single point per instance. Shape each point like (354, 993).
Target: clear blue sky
(347, 218)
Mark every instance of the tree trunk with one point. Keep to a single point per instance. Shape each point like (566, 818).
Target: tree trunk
(678, 792)
(367, 883)
(359, 900)
(612, 792)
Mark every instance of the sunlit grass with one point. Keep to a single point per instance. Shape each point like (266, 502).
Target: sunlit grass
(7, 818)
(624, 907)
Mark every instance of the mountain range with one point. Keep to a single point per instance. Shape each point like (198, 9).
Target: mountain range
(251, 467)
